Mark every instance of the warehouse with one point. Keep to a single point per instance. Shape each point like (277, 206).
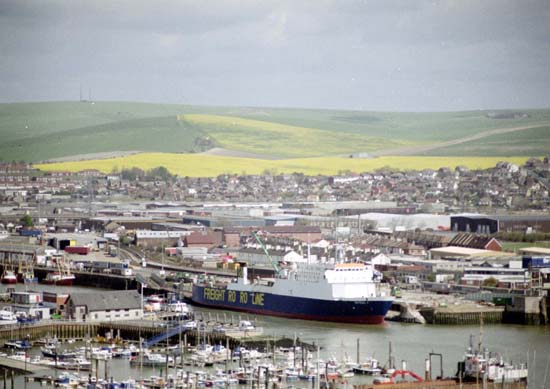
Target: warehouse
(484, 224)
(223, 221)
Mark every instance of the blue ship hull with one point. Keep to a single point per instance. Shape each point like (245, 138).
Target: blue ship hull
(363, 312)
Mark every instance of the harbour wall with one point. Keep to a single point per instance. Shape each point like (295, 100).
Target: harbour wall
(529, 310)
(451, 317)
(447, 384)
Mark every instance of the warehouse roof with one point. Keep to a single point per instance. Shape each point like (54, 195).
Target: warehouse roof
(125, 299)
(464, 239)
(467, 252)
(535, 251)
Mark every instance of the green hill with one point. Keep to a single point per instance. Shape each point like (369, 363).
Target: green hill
(43, 131)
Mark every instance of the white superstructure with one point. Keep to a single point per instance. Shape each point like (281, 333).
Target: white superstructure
(342, 281)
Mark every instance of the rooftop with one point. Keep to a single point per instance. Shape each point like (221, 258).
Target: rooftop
(468, 252)
(539, 218)
(125, 299)
(535, 250)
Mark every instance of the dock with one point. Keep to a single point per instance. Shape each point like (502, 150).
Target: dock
(12, 364)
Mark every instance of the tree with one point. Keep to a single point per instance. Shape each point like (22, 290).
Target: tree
(159, 173)
(27, 221)
(490, 282)
(132, 174)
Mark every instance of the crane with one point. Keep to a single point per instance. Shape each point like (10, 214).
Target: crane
(273, 263)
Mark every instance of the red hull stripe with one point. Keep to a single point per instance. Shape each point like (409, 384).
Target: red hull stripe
(62, 283)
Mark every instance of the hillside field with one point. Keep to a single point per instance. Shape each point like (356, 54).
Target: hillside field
(43, 131)
(284, 140)
(200, 165)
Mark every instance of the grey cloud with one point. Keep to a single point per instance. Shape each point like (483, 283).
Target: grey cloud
(392, 55)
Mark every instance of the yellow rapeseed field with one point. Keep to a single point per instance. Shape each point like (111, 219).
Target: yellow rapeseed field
(270, 138)
(201, 165)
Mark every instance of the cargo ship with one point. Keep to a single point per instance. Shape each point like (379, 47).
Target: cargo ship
(336, 292)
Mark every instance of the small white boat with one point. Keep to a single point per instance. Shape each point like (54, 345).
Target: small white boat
(151, 359)
(178, 307)
(153, 303)
(7, 317)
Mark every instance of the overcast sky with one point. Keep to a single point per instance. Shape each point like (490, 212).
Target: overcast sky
(371, 55)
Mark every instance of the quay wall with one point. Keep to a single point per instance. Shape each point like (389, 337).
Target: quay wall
(529, 310)
(62, 330)
(92, 279)
(446, 384)
(443, 316)
(123, 330)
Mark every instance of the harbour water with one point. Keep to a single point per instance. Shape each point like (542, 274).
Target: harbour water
(410, 342)
(413, 343)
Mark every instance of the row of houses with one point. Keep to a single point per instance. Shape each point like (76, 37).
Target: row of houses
(505, 187)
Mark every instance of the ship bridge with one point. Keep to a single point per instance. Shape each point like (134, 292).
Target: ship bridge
(351, 280)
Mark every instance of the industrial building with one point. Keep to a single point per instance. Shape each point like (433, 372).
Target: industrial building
(223, 221)
(484, 224)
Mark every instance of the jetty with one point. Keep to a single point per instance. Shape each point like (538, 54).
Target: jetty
(21, 366)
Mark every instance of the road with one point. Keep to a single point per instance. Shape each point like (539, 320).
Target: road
(416, 150)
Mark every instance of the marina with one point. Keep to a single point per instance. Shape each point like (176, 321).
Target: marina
(348, 342)
(183, 340)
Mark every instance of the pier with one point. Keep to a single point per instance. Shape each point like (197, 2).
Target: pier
(13, 364)
(131, 331)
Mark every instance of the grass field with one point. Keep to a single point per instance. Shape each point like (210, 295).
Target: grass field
(515, 246)
(283, 140)
(41, 131)
(197, 165)
(534, 141)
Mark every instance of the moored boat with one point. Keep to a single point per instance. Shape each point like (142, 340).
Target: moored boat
(59, 279)
(9, 277)
(18, 344)
(482, 364)
(7, 317)
(52, 352)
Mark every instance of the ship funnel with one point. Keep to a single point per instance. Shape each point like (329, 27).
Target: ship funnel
(243, 273)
